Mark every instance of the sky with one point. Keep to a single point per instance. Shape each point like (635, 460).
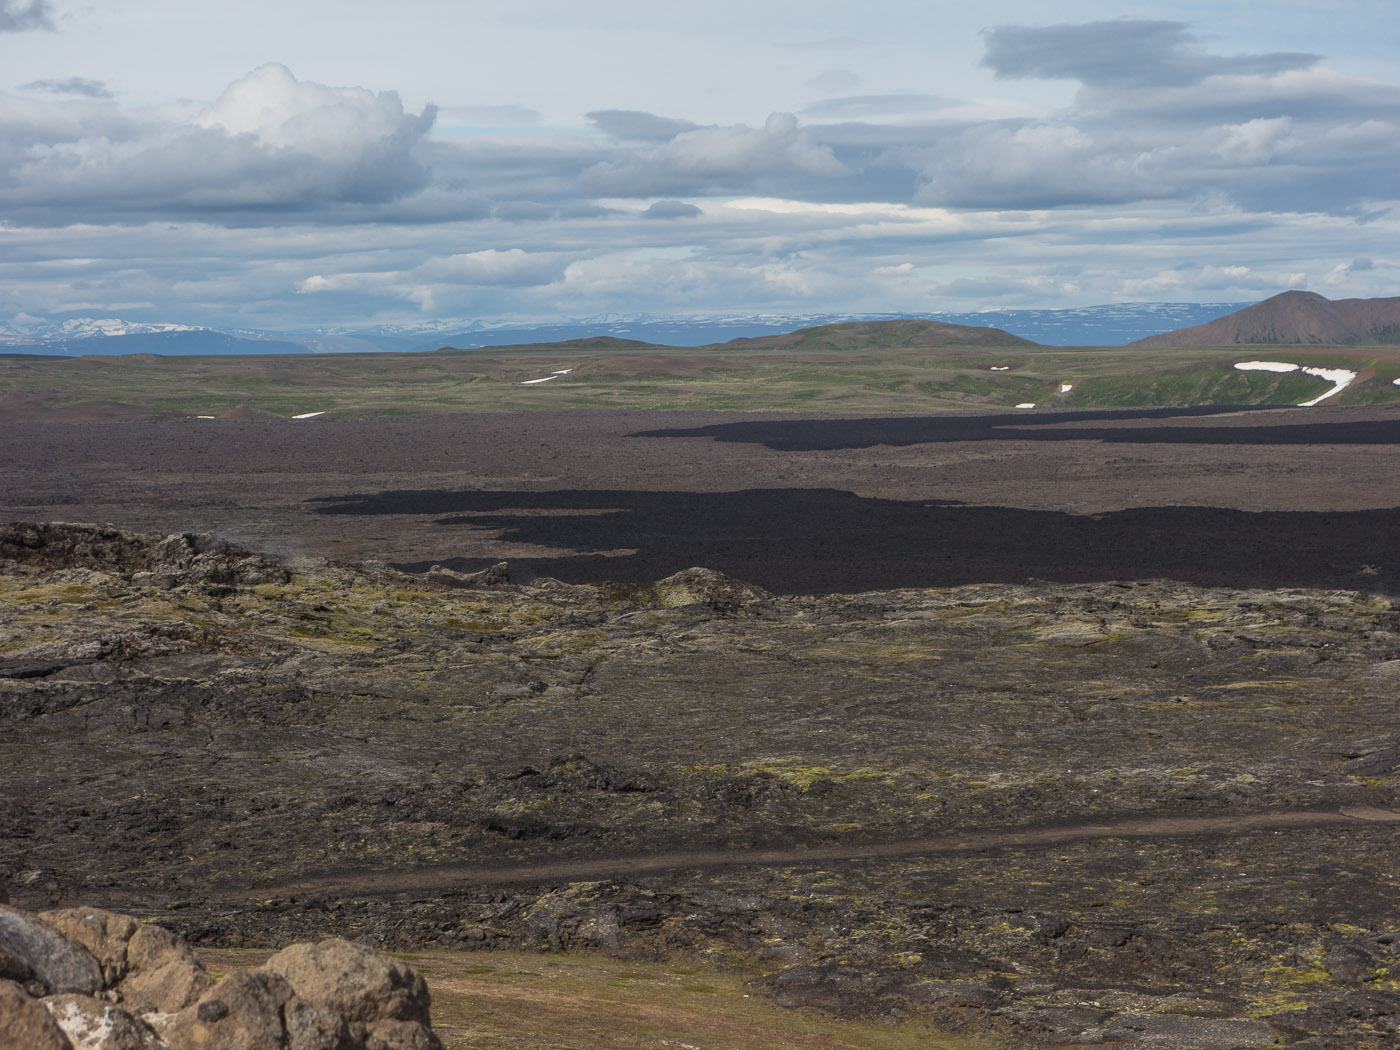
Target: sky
(286, 165)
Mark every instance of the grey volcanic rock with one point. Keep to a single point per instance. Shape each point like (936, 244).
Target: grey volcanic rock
(183, 559)
(1303, 318)
(31, 951)
(493, 577)
(104, 934)
(1190, 1033)
(701, 585)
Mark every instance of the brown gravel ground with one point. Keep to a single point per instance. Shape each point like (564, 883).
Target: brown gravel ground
(1262, 498)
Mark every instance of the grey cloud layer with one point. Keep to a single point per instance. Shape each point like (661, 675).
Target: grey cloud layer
(1156, 118)
(15, 16)
(69, 86)
(1122, 53)
(866, 196)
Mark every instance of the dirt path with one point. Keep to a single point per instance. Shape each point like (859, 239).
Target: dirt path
(418, 880)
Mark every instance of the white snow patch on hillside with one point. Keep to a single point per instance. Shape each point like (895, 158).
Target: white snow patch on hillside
(1264, 366)
(1341, 378)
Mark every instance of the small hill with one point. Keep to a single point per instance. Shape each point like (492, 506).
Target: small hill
(600, 342)
(1294, 319)
(884, 335)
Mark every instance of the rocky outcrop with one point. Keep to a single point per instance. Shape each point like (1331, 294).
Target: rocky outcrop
(698, 585)
(89, 979)
(183, 559)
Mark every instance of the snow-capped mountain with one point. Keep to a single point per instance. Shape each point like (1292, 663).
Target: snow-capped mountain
(1108, 325)
(86, 328)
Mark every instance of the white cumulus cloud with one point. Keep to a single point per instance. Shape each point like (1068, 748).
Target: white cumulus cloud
(270, 141)
(715, 157)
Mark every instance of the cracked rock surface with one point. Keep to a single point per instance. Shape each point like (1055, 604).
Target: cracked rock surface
(1141, 813)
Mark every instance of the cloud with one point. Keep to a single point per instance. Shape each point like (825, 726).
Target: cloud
(69, 86)
(830, 43)
(1213, 281)
(269, 141)
(672, 210)
(1124, 52)
(866, 106)
(1038, 166)
(443, 280)
(633, 124)
(714, 158)
(832, 80)
(1158, 119)
(524, 211)
(512, 267)
(14, 18)
(288, 203)
(488, 116)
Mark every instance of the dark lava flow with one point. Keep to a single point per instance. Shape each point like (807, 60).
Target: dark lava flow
(814, 541)
(817, 435)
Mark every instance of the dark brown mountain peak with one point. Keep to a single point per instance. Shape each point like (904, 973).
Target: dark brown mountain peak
(1294, 318)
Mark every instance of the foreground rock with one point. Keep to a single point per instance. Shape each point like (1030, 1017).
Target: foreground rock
(89, 979)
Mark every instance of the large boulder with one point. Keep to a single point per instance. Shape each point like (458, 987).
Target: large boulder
(353, 980)
(103, 933)
(24, 1023)
(241, 1012)
(162, 971)
(151, 968)
(35, 954)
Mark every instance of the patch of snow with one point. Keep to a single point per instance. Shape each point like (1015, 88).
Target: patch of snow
(1343, 377)
(1001, 368)
(309, 415)
(1026, 404)
(1065, 388)
(563, 371)
(1264, 366)
(532, 382)
(1395, 382)
(206, 417)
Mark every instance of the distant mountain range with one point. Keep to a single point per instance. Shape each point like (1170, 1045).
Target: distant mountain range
(1107, 325)
(1294, 318)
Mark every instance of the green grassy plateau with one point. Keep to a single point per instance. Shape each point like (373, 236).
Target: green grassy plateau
(852, 371)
